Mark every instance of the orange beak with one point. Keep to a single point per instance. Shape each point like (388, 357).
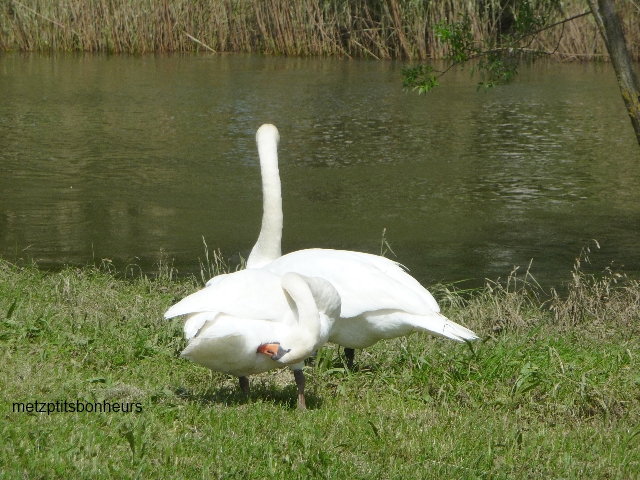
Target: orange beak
(274, 350)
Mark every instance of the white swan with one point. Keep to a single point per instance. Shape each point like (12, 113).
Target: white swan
(379, 299)
(253, 321)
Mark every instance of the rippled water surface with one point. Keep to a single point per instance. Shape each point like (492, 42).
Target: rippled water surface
(123, 157)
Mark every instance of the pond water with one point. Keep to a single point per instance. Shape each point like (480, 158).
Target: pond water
(127, 157)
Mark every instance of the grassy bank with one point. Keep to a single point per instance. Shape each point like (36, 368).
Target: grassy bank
(545, 394)
(355, 28)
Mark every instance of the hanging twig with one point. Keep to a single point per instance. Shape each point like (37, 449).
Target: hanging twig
(561, 22)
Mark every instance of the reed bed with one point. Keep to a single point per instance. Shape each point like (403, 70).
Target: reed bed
(381, 29)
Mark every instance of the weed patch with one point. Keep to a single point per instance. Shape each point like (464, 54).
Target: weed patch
(551, 390)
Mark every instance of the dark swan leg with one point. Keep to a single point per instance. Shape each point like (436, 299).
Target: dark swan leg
(349, 353)
(244, 385)
(299, 376)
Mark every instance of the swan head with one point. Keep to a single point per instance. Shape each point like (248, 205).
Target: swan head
(267, 132)
(274, 350)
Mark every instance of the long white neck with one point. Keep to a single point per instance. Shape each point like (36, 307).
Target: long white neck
(267, 248)
(307, 334)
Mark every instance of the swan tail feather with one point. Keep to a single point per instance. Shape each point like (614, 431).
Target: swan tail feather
(439, 325)
(458, 332)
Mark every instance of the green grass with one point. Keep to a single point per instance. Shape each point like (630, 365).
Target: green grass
(545, 394)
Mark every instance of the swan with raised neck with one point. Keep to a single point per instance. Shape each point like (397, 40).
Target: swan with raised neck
(380, 300)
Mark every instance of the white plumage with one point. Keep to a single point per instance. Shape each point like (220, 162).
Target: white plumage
(380, 300)
(253, 321)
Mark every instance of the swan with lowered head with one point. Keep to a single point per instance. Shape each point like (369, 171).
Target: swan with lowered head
(380, 300)
(253, 321)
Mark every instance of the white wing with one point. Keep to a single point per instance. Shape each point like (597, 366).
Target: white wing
(254, 293)
(365, 282)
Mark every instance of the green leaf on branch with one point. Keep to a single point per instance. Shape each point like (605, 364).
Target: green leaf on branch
(497, 49)
(419, 78)
(459, 38)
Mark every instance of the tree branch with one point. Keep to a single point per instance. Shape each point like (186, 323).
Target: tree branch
(561, 22)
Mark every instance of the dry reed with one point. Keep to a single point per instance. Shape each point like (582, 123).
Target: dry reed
(595, 299)
(352, 28)
(599, 303)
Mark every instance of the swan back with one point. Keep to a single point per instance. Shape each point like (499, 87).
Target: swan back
(364, 282)
(252, 293)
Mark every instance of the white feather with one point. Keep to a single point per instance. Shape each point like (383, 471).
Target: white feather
(379, 298)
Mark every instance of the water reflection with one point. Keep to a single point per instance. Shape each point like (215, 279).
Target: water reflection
(122, 157)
